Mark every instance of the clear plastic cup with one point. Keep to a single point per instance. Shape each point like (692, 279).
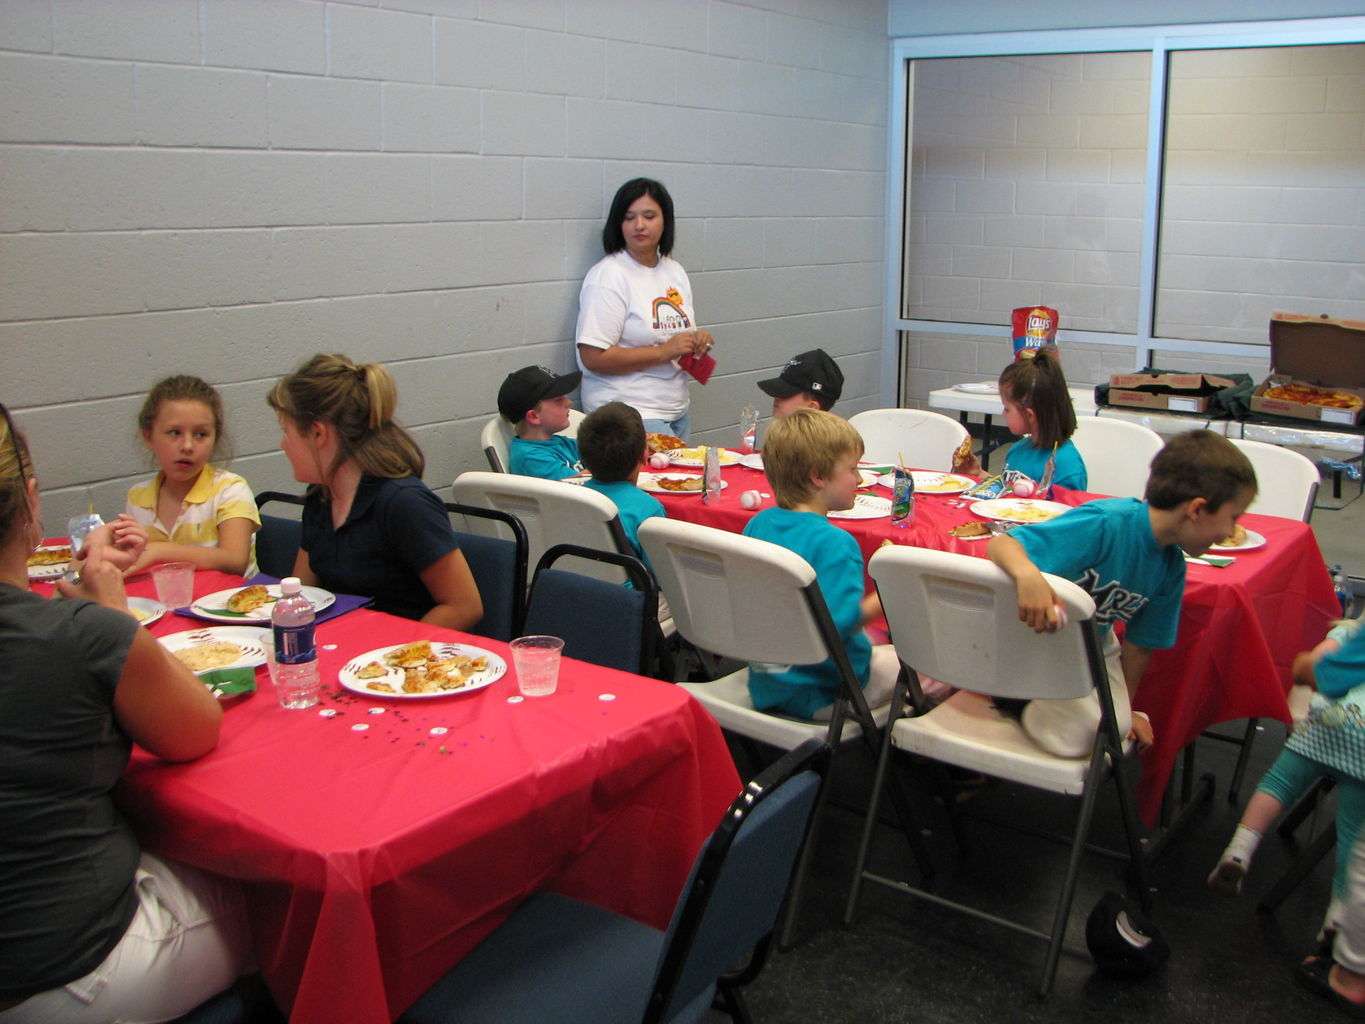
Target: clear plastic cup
(174, 583)
(536, 660)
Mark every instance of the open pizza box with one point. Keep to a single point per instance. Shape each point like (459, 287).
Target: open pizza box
(1175, 392)
(1319, 353)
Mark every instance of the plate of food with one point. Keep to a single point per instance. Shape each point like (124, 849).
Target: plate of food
(664, 442)
(145, 610)
(49, 561)
(931, 483)
(1242, 539)
(422, 669)
(982, 388)
(1018, 510)
(673, 483)
(253, 603)
(972, 531)
(865, 506)
(697, 456)
(215, 647)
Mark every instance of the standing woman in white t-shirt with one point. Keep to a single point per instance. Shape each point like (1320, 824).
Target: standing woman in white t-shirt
(635, 314)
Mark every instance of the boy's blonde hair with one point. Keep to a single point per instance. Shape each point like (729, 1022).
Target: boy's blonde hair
(806, 444)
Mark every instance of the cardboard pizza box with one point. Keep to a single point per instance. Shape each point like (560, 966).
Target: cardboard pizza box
(1175, 392)
(1317, 352)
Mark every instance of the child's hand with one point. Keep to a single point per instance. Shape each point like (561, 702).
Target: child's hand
(114, 542)
(1037, 604)
(971, 465)
(1142, 730)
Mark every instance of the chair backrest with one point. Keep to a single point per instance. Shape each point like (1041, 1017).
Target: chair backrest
(926, 440)
(496, 438)
(956, 618)
(1117, 454)
(552, 512)
(739, 882)
(277, 541)
(499, 568)
(738, 596)
(604, 623)
(1287, 482)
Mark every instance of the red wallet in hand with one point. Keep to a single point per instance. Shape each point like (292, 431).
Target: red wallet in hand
(699, 367)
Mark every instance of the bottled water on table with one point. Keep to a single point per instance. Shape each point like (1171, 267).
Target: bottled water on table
(296, 656)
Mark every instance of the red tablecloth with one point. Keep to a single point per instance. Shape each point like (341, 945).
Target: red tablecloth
(1240, 627)
(377, 849)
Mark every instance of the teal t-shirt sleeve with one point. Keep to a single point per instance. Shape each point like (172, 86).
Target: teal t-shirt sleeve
(1343, 670)
(554, 459)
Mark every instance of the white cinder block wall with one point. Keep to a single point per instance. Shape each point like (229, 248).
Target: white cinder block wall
(224, 187)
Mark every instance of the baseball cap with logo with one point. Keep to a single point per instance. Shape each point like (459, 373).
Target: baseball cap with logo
(812, 371)
(525, 388)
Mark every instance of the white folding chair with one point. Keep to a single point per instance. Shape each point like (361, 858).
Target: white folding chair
(496, 438)
(955, 618)
(1287, 482)
(1117, 454)
(926, 440)
(552, 512)
(753, 601)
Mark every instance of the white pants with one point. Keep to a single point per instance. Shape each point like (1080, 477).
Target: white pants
(881, 682)
(1066, 728)
(188, 940)
(1349, 948)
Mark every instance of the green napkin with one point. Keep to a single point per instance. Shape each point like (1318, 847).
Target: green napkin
(229, 682)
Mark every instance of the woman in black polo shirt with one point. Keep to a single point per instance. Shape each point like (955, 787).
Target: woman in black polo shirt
(370, 526)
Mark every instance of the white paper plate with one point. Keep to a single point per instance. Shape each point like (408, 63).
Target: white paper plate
(248, 638)
(214, 606)
(1253, 541)
(48, 572)
(1018, 510)
(650, 482)
(865, 506)
(692, 457)
(494, 671)
(145, 610)
(754, 460)
(931, 483)
(983, 388)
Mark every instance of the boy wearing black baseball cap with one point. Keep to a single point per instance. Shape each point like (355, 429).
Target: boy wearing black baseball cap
(808, 381)
(536, 402)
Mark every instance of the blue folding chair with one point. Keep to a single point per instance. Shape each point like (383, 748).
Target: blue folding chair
(557, 959)
(601, 622)
(277, 541)
(499, 568)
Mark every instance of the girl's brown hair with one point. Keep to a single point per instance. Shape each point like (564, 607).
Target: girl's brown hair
(359, 402)
(1038, 384)
(184, 388)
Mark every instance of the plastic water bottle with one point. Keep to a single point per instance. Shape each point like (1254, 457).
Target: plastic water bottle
(296, 655)
(1343, 589)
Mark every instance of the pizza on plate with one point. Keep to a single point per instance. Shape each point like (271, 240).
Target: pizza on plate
(664, 442)
(248, 599)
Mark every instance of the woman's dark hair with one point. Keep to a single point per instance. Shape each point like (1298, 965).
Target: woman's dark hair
(613, 238)
(1039, 384)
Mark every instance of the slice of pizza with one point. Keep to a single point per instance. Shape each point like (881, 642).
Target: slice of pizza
(248, 599)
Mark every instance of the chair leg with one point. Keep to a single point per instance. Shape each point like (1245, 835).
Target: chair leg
(1243, 755)
(787, 923)
(1063, 913)
(732, 1003)
(869, 825)
(1138, 879)
(1305, 805)
(1316, 850)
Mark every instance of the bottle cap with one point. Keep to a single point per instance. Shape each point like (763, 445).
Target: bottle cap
(290, 585)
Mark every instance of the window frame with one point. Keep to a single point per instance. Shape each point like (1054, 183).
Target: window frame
(1159, 42)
